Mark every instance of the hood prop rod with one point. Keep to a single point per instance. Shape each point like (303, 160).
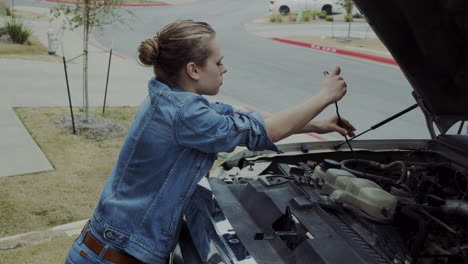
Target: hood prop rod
(379, 124)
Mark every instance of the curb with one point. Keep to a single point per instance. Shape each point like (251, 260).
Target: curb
(35, 237)
(338, 51)
(81, 3)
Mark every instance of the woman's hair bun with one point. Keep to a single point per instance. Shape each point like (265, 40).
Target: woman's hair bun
(148, 52)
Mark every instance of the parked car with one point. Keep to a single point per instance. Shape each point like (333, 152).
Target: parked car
(385, 201)
(284, 7)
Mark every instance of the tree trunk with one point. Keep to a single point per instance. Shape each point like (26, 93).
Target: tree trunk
(349, 11)
(85, 61)
(349, 28)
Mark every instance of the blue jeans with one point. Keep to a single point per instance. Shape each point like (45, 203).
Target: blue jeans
(87, 256)
(81, 254)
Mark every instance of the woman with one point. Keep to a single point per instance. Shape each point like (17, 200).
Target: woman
(174, 141)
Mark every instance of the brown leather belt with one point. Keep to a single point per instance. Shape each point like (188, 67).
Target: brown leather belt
(111, 255)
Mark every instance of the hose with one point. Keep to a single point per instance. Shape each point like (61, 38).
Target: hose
(345, 165)
(456, 208)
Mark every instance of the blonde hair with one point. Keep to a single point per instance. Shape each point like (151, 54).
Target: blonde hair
(177, 44)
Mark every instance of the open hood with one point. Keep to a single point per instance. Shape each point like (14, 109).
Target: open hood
(429, 40)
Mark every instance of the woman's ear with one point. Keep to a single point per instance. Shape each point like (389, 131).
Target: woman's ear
(192, 71)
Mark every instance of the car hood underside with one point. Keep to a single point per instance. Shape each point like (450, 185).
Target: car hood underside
(429, 40)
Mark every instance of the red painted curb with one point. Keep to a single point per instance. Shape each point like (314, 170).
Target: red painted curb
(338, 51)
(248, 108)
(316, 136)
(104, 49)
(80, 3)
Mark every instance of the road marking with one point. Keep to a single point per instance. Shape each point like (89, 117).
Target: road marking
(104, 49)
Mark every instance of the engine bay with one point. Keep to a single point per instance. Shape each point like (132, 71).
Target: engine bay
(396, 207)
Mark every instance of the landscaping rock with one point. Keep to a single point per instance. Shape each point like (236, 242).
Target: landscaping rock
(5, 39)
(96, 127)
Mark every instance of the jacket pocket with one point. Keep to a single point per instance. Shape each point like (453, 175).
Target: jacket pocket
(175, 217)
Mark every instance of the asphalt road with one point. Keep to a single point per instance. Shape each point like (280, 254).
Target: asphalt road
(272, 76)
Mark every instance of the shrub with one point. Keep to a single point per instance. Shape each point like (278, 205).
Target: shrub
(322, 15)
(2, 31)
(357, 15)
(314, 14)
(276, 18)
(348, 18)
(5, 11)
(309, 15)
(18, 32)
(329, 18)
(292, 17)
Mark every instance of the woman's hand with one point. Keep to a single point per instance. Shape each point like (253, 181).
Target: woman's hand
(333, 87)
(331, 125)
(297, 119)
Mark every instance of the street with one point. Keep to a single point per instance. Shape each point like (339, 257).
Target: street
(272, 76)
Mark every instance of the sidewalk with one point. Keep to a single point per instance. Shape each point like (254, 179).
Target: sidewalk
(38, 83)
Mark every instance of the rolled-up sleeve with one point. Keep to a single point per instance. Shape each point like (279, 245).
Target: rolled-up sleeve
(201, 127)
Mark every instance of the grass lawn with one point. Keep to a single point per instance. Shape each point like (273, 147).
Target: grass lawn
(35, 51)
(127, 1)
(68, 193)
(29, 15)
(51, 252)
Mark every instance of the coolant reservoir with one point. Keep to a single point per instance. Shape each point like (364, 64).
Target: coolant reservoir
(319, 173)
(336, 179)
(360, 193)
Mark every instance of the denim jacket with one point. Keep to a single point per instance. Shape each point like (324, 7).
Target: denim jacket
(170, 146)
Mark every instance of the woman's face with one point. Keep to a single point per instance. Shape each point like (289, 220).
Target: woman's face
(211, 74)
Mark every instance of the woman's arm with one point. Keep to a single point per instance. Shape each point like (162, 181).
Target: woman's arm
(293, 120)
(329, 125)
(266, 115)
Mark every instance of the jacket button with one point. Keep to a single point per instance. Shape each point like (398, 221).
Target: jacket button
(110, 235)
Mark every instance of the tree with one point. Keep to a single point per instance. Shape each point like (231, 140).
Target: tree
(91, 14)
(348, 6)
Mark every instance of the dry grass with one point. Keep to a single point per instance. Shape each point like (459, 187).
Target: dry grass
(133, 1)
(29, 15)
(369, 45)
(142, 2)
(35, 51)
(50, 252)
(70, 192)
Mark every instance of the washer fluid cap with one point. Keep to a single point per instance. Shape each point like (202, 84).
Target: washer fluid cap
(330, 164)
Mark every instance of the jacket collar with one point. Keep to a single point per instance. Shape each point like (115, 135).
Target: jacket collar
(156, 85)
